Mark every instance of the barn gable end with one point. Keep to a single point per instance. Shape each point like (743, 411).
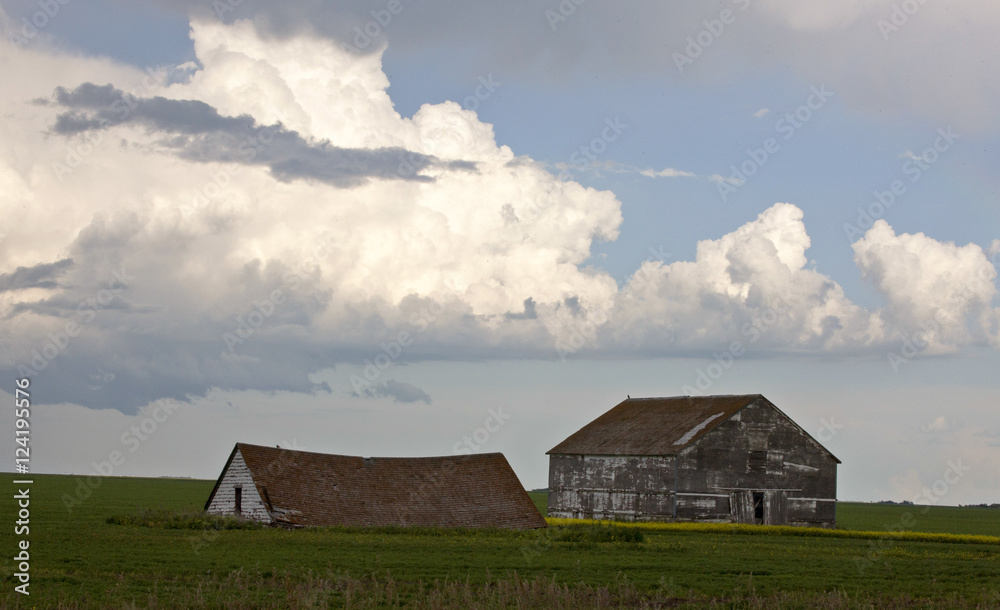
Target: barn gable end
(235, 475)
(759, 449)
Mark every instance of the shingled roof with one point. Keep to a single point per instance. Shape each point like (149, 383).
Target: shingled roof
(306, 488)
(655, 426)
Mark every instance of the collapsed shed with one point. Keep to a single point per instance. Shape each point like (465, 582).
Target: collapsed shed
(300, 488)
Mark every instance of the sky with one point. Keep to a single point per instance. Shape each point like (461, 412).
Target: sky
(407, 228)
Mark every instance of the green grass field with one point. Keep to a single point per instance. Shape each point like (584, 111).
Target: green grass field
(80, 560)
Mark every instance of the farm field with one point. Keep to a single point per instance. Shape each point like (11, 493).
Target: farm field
(80, 560)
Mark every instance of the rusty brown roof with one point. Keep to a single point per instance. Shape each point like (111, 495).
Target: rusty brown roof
(653, 426)
(306, 488)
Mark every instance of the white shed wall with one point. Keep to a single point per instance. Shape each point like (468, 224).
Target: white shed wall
(224, 501)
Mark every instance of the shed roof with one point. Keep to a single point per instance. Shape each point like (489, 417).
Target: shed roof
(656, 426)
(306, 488)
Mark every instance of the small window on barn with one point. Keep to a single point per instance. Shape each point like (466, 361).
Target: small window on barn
(757, 460)
(239, 500)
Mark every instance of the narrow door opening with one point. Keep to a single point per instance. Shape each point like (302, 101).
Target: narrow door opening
(239, 501)
(758, 507)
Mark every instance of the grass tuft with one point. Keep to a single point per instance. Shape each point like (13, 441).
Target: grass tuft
(175, 520)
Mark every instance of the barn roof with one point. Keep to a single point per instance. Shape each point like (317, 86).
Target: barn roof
(306, 488)
(656, 426)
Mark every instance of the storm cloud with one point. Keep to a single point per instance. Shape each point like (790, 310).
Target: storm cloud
(399, 391)
(198, 132)
(42, 275)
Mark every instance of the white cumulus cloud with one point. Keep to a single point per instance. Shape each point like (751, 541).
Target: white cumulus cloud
(197, 239)
(750, 285)
(940, 289)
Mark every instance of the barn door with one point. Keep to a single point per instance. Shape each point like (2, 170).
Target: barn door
(775, 508)
(741, 506)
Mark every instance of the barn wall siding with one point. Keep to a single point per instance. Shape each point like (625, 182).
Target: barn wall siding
(611, 487)
(224, 501)
(756, 450)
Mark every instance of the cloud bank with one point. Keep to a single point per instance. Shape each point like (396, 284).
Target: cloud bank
(153, 259)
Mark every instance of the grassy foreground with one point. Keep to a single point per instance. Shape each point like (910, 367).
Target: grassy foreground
(129, 544)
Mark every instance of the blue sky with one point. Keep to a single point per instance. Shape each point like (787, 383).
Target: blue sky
(834, 164)
(555, 287)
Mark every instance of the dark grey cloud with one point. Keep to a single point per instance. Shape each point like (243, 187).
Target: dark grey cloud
(121, 331)
(197, 132)
(64, 306)
(125, 370)
(111, 106)
(529, 311)
(399, 391)
(573, 304)
(37, 276)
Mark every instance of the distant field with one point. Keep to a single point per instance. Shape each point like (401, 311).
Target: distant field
(946, 519)
(81, 560)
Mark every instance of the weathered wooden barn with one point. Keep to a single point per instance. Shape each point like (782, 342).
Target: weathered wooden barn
(694, 458)
(300, 488)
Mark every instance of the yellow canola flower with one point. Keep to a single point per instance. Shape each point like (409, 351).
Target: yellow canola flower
(784, 530)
